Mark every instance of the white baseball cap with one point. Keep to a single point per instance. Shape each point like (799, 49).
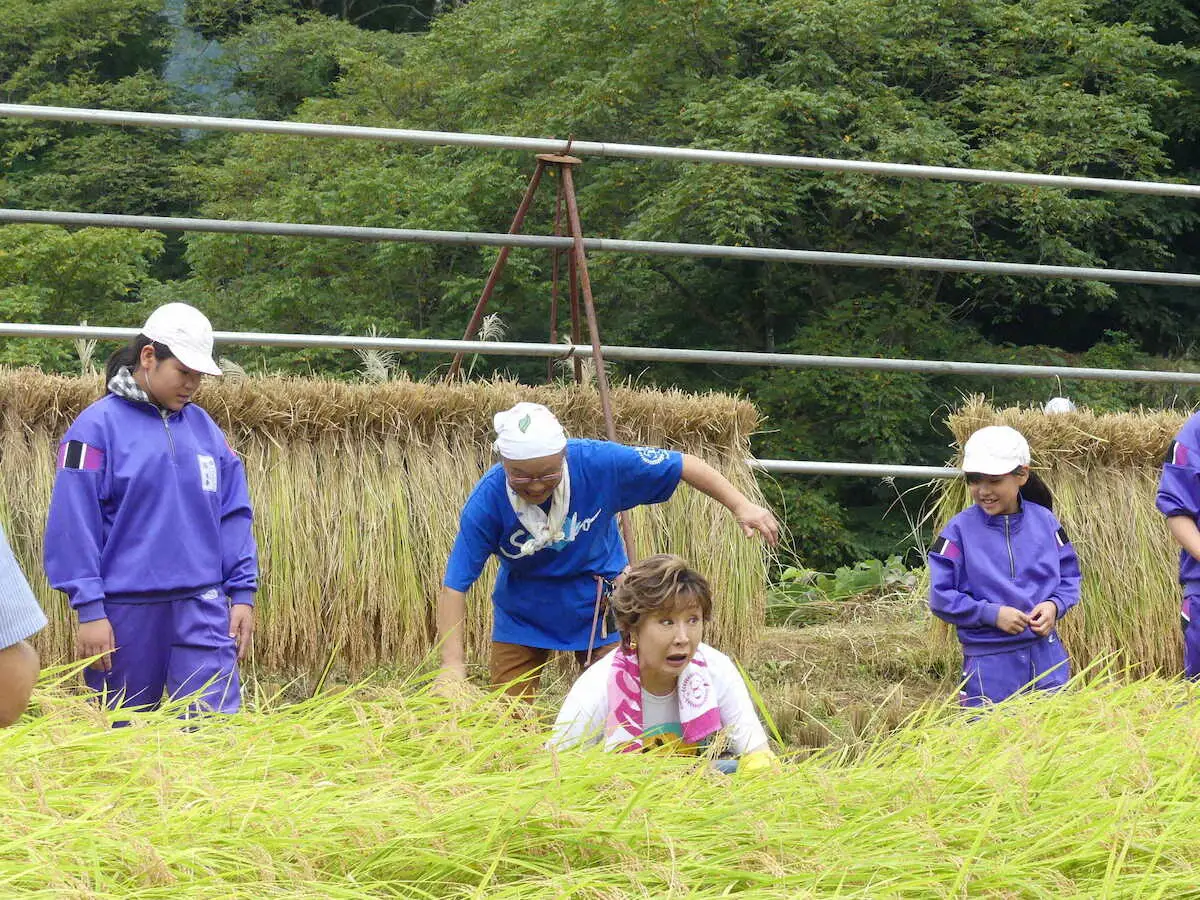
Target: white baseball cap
(187, 333)
(995, 450)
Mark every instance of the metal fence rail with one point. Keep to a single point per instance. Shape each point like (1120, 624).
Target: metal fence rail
(592, 148)
(644, 354)
(855, 470)
(628, 354)
(656, 248)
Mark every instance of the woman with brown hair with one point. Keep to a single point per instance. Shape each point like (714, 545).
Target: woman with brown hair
(663, 686)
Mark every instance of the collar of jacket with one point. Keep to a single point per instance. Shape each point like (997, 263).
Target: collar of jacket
(126, 387)
(1013, 522)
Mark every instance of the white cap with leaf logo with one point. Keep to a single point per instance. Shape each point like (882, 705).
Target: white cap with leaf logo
(528, 431)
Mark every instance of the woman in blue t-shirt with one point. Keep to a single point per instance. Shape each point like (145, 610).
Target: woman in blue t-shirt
(548, 511)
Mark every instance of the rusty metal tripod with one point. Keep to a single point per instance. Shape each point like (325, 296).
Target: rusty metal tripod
(579, 283)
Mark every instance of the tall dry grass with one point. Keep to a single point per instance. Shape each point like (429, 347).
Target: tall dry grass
(357, 490)
(1103, 471)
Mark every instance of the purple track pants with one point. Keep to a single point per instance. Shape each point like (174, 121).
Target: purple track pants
(181, 646)
(1042, 666)
(1189, 620)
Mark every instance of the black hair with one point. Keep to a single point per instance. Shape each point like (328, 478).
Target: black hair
(1035, 491)
(130, 356)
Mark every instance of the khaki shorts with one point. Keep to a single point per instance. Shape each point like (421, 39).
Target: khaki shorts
(518, 669)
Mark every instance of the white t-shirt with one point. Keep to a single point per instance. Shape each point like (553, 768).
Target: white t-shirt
(581, 719)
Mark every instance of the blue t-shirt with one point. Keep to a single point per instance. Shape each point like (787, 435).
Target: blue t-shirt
(546, 599)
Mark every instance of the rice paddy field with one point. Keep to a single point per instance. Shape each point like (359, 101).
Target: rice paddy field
(346, 776)
(388, 791)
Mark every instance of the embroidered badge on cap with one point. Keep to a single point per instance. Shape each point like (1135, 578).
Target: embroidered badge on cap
(79, 455)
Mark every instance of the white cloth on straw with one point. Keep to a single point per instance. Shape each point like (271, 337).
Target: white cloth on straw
(528, 431)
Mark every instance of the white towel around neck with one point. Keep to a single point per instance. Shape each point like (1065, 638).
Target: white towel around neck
(544, 529)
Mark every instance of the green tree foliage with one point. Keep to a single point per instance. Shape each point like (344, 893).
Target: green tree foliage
(1035, 85)
(226, 18)
(1039, 85)
(50, 274)
(85, 53)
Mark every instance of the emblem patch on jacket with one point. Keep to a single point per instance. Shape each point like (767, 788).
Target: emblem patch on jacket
(208, 472)
(945, 547)
(78, 455)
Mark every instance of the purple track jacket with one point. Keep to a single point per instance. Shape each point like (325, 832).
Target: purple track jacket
(980, 563)
(148, 505)
(1179, 493)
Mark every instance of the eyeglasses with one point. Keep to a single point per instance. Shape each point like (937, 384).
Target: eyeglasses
(552, 478)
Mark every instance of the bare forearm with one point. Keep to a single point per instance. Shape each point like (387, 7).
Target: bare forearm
(451, 620)
(18, 674)
(1186, 534)
(708, 480)
(751, 518)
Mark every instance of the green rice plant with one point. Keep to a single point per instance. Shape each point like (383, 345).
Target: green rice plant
(387, 791)
(357, 491)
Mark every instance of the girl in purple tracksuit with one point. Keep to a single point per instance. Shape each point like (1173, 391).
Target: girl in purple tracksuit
(149, 529)
(1179, 500)
(1003, 572)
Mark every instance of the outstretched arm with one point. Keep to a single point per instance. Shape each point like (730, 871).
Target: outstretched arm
(750, 516)
(451, 619)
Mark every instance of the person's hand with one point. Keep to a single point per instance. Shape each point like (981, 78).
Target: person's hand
(754, 518)
(759, 761)
(450, 682)
(241, 628)
(1043, 617)
(94, 638)
(1011, 620)
(451, 685)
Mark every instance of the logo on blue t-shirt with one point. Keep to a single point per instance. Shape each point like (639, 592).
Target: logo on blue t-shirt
(652, 456)
(573, 526)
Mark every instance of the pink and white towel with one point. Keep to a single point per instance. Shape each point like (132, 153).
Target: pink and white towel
(699, 715)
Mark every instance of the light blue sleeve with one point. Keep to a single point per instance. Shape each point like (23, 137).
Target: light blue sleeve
(20, 614)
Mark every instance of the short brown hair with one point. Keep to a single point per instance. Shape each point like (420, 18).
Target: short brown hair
(657, 582)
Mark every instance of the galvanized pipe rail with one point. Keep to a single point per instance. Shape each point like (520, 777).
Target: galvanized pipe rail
(627, 151)
(591, 148)
(654, 248)
(653, 354)
(855, 470)
(631, 354)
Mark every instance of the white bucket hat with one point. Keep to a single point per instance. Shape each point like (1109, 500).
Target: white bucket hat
(187, 333)
(995, 450)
